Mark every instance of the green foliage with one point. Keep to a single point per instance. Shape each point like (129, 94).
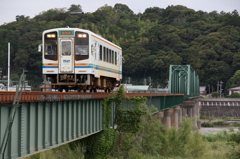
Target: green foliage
(220, 123)
(234, 95)
(216, 123)
(203, 117)
(234, 80)
(72, 150)
(196, 147)
(215, 94)
(75, 8)
(155, 141)
(219, 136)
(235, 137)
(127, 120)
(151, 40)
(100, 145)
(207, 124)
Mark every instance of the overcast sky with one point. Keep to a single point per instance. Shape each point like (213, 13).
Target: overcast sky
(9, 9)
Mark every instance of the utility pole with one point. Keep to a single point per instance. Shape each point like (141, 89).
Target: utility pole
(145, 81)
(129, 80)
(220, 88)
(150, 81)
(0, 73)
(8, 67)
(209, 90)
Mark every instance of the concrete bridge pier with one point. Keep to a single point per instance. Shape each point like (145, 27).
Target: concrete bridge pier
(193, 109)
(173, 116)
(180, 114)
(184, 111)
(175, 119)
(167, 117)
(160, 116)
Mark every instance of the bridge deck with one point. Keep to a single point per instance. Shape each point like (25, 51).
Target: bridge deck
(8, 97)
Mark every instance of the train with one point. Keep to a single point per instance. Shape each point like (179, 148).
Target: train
(80, 60)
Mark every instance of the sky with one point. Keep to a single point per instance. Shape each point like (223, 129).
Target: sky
(9, 9)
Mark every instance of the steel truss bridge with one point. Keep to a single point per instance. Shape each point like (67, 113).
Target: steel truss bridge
(31, 122)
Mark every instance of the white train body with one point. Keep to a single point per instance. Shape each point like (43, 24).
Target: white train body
(79, 59)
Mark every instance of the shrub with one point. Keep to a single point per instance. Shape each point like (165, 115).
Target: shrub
(220, 123)
(203, 117)
(236, 124)
(153, 139)
(220, 136)
(234, 95)
(215, 94)
(235, 137)
(207, 124)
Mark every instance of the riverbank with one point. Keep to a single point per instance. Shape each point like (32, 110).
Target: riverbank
(214, 130)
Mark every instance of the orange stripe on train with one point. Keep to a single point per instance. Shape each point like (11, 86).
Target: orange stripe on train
(81, 64)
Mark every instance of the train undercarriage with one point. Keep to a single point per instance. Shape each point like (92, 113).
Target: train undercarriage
(80, 82)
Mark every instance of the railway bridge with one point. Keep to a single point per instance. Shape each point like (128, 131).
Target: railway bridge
(31, 122)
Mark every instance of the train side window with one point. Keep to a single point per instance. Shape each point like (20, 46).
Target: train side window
(115, 58)
(112, 57)
(81, 45)
(101, 53)
(106, 55)
(109, 56)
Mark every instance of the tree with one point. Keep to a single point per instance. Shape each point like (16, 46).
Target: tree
(124, 8)
(21, 17)
(234, 80)
(157, 10)
(75, 8)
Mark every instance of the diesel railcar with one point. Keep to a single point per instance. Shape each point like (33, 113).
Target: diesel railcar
(78, 59)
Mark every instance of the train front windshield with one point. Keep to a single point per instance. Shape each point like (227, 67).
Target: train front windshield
(81, 46)
(50, 46)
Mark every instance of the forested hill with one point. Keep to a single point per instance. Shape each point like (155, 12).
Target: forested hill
(151, 41)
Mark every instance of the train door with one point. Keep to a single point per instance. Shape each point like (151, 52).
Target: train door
(94, 54)
(120, 61)
(66, 62)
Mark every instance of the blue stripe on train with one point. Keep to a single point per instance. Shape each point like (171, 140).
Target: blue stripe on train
(98, 68)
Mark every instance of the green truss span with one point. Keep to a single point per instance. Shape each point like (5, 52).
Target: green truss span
(183, 79)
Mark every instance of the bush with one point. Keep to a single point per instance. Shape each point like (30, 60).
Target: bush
(235, 137)
(207, 124)
(203, 117)
(234, 95)
(215, 94)
(154, 139)
(236, 124)
(220, 123)
(220, 136)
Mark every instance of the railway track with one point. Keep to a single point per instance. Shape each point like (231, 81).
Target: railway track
(37, 96)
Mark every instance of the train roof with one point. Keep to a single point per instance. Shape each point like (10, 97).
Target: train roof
(88, 31)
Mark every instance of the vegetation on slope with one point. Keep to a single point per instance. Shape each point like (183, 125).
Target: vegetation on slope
(151, 41)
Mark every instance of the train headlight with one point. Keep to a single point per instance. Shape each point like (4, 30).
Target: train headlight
(82, 35)
(51, 36)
